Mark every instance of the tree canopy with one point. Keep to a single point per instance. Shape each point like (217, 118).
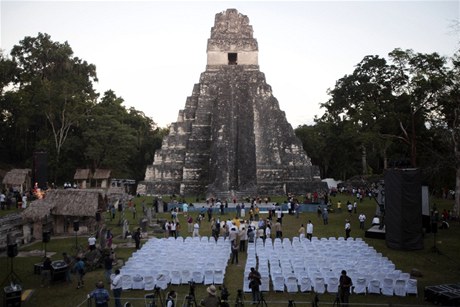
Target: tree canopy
(49, 103)
(399, 111)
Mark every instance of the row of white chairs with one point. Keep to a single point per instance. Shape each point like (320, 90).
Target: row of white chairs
(157, 264)
(303, 265)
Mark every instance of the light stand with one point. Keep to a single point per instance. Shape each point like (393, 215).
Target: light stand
(434, 229)
(12, 277)
(76, 228)
(46, 235)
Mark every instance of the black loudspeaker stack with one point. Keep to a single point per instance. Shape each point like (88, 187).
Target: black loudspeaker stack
(40, 169)
(76, 225)
(403, 209)
(12, 250)
(46, 236)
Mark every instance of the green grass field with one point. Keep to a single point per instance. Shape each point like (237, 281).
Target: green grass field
(437, 268)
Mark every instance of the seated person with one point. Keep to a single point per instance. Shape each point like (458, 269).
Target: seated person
(375, 221)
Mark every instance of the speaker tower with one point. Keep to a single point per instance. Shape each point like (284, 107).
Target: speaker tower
(403, 209)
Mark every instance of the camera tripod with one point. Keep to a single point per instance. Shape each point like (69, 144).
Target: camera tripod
(336, 301)
(262, 301)
(189, 300)
(239, 302)
(224, 294)
(157, 299)
(12, 277)
(315, 301)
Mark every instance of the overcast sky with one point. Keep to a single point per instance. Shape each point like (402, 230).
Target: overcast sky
(151, 53)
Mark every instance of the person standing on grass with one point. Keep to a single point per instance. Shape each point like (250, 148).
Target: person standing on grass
(362, 219)
(196, 230)
(345, 284)
(100, 295)
(309, 230)
(235, 249)
(108, 265)
(137, 238)
(116, 287)
(301, 232)
(254, 284)
(325, 216)
(347, 229)
(80, 271)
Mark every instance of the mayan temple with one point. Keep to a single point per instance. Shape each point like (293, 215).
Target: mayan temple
(231, 139)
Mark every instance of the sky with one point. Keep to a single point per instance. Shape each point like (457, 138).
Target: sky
(151, 53)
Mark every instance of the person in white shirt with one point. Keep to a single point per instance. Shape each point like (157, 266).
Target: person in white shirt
(116, 287)
(196, 230)
(347, 229)
(309, 230)
(362, 219)
(92, 242)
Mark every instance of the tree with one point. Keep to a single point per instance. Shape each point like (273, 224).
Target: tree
(418, 82)
(55, 85)
(109, 140)
(361, 101)
(447, 118)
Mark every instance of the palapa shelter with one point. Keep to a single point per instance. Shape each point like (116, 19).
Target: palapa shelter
(57, 211)
(101, 178)
(83, 177)
(18, 179)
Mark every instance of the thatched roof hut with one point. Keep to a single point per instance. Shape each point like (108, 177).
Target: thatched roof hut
(83, 177)
(101, 177)
(64, 205)
(73, 202)
(37, 210)
(19, 179)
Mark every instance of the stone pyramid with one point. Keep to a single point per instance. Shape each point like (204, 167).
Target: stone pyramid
(231, 139)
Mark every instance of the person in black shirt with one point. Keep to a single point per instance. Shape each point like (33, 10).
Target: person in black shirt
(137, 238)
(345, 284)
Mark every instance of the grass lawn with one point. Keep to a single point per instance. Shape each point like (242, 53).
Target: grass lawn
(437, 268)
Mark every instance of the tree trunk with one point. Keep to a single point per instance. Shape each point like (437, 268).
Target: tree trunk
(364, 159)
(457, 193)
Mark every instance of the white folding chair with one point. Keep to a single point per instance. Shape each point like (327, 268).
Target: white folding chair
(265, 283)
(411, 286)
(278, 283)
(400, 287)
(387, 286)
(305, 284)
(208, 277)
(319, 285)
(291, 284)
(332, 285)
(175, 277)
(185, 276)
(374, 286)
(218, 276)
(126, 282)
(162, 281)
(197, 276)
(361, 286)
(149, 282)
(138, 282)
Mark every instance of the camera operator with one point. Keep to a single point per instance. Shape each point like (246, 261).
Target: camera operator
(211, 300)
